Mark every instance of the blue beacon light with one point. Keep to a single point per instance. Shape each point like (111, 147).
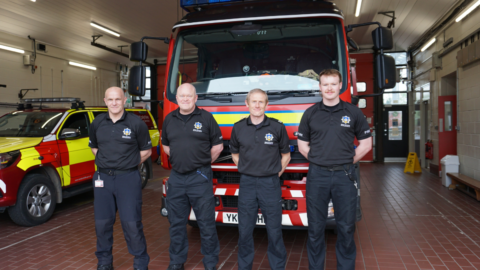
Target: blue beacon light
(190, 3)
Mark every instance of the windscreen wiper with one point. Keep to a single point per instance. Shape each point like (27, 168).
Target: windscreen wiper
(221, 94)
(296, 93)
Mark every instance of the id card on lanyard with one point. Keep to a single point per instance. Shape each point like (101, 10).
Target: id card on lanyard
(99, 182)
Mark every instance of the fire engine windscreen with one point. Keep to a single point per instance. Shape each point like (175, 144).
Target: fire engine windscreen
(28, 124)
(281, 56)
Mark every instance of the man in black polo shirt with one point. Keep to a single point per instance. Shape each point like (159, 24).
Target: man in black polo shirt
(325, 137)
(120, 142)
(260, 148)
(193, 140)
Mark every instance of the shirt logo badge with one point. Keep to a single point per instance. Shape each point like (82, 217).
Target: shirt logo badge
(198, 127)
(345, 121)
(126, 133)
(269, 138)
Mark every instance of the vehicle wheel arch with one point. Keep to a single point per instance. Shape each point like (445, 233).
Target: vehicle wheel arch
(50, 173)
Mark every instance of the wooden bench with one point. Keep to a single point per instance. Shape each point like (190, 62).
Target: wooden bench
(463, 181)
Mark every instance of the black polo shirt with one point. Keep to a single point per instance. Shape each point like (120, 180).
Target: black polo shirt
(331, 133)
(119, 144)
(191, 141)
(259, 148)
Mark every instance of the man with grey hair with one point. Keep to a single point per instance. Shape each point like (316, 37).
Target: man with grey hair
(192, 139)
(120, 142)
(260, 148)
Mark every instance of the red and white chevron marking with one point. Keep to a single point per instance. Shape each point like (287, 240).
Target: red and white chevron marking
(290, 219)
(233, 191)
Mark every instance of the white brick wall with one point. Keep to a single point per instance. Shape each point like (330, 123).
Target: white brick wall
(468, 138)
(77, 82)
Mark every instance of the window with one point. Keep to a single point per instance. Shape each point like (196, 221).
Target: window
(361, 87)
(148, 81)
(395, 125)
(362, 103)
(283, 56)
(78, 121)
(398, 94)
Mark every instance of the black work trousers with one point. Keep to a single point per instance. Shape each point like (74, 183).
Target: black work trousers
(323, 185)
(266, 193)
(122, 192)
(187, 191)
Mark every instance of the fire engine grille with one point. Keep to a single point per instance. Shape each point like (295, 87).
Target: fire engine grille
(228, 177)
(230, 201)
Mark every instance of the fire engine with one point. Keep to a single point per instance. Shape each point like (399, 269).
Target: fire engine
(226, 48)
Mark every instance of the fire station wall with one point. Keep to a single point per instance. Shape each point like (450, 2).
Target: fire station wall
(443, 82)
(54, 76)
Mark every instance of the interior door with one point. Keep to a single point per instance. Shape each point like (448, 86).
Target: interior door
(395, 129)
(447, 121)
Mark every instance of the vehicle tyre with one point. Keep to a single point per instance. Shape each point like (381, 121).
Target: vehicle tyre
(194, 224)
(144, 173)
(36, 201)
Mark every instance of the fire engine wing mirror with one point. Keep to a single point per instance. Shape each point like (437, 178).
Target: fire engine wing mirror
(138, 51)
(136, 77)
(382, 38)
(245, 29)
(69, 133)
(136, 81)
(386, 71)
(352, 44)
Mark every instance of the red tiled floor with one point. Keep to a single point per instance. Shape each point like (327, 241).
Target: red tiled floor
(409, 222)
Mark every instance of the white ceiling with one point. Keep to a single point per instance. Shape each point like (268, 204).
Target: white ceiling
(66, 23)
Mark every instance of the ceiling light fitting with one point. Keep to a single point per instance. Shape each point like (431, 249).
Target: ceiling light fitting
(105, 29)
(82, 65)
(359, 6)
(470, 9)
(429, 44)
(11, 49)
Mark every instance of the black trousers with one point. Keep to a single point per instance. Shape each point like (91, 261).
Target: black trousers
(186, 191)
(323, 185)
(122, 192)
(266, 193)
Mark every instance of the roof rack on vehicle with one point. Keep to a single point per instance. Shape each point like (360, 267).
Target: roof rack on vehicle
(27, 102)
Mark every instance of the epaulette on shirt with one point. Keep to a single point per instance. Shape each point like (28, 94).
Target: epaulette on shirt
(276, 120)
(243, 119)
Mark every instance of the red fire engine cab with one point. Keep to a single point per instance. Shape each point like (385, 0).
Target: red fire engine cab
(277, 46)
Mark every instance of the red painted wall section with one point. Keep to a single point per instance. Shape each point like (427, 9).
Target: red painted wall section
(364, 68)
(160, 88)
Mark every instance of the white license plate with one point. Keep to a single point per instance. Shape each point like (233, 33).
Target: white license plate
(232, 218)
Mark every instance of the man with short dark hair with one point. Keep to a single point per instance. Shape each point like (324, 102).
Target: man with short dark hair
(260, 148)
(325, 137)
(120, 142)
(193, 140)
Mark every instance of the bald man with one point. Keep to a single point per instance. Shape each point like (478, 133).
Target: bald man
(120, 142)
(193, 140)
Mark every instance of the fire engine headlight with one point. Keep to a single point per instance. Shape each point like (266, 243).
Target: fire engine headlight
(164, 212)
(217, 201)
(6, 159)
(330, 210)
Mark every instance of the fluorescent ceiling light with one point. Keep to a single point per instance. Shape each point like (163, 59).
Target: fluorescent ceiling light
(82, 65)
(11, 49)
(428, 44)
(105, 29)
(359, 6)
(470, 9)
(33, 0)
